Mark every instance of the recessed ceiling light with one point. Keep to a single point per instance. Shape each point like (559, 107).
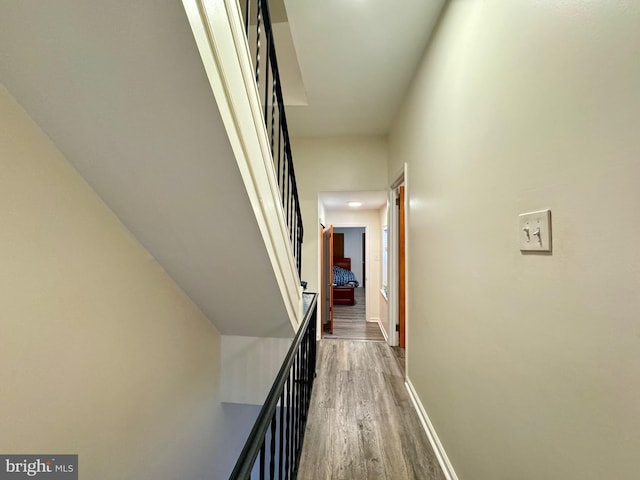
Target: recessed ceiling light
(355, 204)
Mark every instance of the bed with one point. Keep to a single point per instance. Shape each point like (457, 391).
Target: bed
(344, 282)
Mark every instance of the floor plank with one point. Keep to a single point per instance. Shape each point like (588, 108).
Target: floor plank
(400, 357)
(362, 424)
(350, 323)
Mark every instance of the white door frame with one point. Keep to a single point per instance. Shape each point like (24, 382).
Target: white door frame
(393, 270)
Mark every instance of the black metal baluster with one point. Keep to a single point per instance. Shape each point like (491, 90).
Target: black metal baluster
(312, 357)
(273, 114)
(279, 146)
(300, 407)
(298, 215)
(307, 354)
(296, 241)
(314, 346)
(295, 244)
(299, 259)
(288, 192)
(258, 44)
(290, 207)
(289, 204)
(262, 460)
(272, 449)
(284, 168)
(303, 379)
(267, 34)
(297, 376)
(288, 423)
(297, 225)
(281, 437)
(295, 416)
(292, 413)
(307, 391)
(247, 15)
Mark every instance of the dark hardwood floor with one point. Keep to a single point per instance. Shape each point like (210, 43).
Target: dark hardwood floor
(361, 423)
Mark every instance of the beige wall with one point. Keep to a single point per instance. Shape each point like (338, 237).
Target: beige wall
(102, 354)
(249, 366)
(528, 365)
(333, 164)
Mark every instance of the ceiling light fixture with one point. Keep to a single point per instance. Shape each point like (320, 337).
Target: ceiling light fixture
(355, 204)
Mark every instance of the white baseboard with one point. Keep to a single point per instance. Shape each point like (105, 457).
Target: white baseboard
(384, 332)
(441, 455)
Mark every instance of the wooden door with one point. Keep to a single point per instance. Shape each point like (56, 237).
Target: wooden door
(324, 309)
(401, 268)
(338, 244)
(327, 279)
(364, 261)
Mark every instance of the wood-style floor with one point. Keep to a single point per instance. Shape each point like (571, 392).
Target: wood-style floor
(350, 323)
(361, 423)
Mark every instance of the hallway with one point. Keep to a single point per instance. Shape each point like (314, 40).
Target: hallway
(361, 422)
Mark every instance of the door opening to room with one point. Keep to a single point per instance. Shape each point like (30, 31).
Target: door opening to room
(351, 267)
(343, 271)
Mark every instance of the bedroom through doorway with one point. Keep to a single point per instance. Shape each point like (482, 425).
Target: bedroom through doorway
(349, 287)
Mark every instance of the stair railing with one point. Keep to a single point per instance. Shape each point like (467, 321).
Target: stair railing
(275, 443)
(269, 88)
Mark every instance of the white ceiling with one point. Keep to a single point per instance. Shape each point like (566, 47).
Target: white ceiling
(345, 66)
(357, 58)
(339, 200)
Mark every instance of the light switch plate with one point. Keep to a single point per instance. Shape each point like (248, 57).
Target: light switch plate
(535, 231)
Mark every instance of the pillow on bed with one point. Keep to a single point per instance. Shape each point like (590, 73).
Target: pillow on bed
(343, 277)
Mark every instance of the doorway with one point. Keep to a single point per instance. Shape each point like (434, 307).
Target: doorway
(398, 266)
(326, 275)
(357, 218)
(344, 297)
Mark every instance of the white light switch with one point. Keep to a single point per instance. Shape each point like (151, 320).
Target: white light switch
(535, 231)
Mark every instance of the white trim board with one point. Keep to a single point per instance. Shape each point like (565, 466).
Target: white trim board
(218, 30)
(384, 334)
(441, 455)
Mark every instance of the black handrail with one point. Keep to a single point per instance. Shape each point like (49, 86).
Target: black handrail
(268, 81)
(277, 435)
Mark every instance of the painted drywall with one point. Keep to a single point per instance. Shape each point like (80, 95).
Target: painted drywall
(102, 354)
(322, 215)
(333, 164)
(249, 367)
(237, 421)
(371, 221)
(353, 248)
(526, 364)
